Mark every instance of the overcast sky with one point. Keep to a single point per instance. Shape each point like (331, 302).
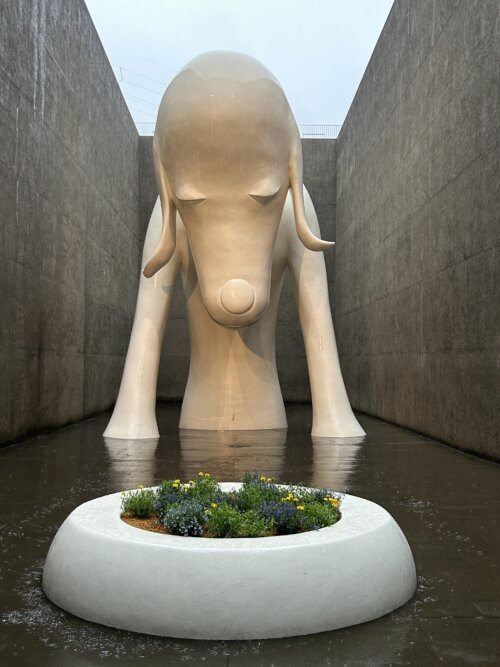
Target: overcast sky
(318, 49)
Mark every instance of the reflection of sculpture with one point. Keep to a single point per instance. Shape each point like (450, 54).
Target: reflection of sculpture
(228, 160)
(334, 461)
(232, 453)
(131, 462)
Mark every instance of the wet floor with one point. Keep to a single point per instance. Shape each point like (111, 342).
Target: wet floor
(446, 502)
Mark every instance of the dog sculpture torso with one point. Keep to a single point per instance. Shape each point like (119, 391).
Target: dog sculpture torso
(232, 218)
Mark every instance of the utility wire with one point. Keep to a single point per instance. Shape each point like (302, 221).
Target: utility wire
(142, 76)
(141, 111)
(138, 85)
(138, 99)
(134, 55)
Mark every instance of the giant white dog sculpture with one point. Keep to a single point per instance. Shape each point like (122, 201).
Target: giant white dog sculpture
(231, 217)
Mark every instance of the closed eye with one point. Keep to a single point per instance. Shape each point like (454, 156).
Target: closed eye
(193, 202)
(264, 199)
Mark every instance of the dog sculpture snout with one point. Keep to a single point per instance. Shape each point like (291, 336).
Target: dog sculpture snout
(237, 296)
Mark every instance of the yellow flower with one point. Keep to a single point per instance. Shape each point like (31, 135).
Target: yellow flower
(269, 479)
(191, 481)
(201, 474)
(262, 478)
(206, 474)
(141, 486)
(175, 485)
(177, 481)
(214, 505)
(300, 507)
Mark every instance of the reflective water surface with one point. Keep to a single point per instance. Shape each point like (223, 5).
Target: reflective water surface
(447, 503)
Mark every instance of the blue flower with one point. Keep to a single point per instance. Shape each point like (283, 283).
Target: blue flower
(187, 518)
(283, 514)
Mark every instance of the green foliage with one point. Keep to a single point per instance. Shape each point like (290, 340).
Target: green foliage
(227, 521)
(317, 515)
(255, 490)
(205, 489)
(140, 503)
(260, 508)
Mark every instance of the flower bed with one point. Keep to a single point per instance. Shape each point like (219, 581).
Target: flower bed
(103, 570)
(259, 508)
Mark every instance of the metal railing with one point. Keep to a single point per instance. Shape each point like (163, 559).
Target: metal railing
(306, 131)
(319, 131)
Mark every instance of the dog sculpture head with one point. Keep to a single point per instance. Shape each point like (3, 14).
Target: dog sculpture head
(226, 151)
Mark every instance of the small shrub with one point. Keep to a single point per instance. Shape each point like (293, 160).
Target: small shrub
(227, 521)
(187, 518)
(282, 514)
(204, 488)
(255, 490)
(316, 515)
(140, 503)
(167, 494)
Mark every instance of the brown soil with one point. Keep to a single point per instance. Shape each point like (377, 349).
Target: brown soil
(152, 524)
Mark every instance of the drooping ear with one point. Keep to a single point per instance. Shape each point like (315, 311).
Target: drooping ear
(166, 246)
(310, 241)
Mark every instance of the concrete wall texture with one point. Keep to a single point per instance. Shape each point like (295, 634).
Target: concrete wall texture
(69, 218)
(417, 274)
(319, 178)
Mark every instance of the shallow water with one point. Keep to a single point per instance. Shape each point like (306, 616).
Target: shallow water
(446, 502)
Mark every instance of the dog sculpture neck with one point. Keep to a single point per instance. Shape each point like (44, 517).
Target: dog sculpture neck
(233, 382)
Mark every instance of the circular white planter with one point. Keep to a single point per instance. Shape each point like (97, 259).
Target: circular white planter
(103, 570)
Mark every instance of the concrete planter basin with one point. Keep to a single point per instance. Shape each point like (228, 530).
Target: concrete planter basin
(105, 571)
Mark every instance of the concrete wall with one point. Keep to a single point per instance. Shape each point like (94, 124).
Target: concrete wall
(319, 178)
(417, 289)
(69, 246)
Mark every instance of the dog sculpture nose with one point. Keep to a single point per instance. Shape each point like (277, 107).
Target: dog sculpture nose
(237, 296)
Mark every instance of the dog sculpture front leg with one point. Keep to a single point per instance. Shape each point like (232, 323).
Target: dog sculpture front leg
(332, 413)
(134, 414)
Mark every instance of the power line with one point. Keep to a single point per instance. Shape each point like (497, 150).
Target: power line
(143, 76)
(138, 99)
(138, 85)
(134, 55)
(141, 111)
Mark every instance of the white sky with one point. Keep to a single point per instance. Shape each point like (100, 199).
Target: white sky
(318, 49)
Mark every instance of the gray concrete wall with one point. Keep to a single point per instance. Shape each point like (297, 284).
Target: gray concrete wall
(319, 178)
(69, 246)
(417, 282)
